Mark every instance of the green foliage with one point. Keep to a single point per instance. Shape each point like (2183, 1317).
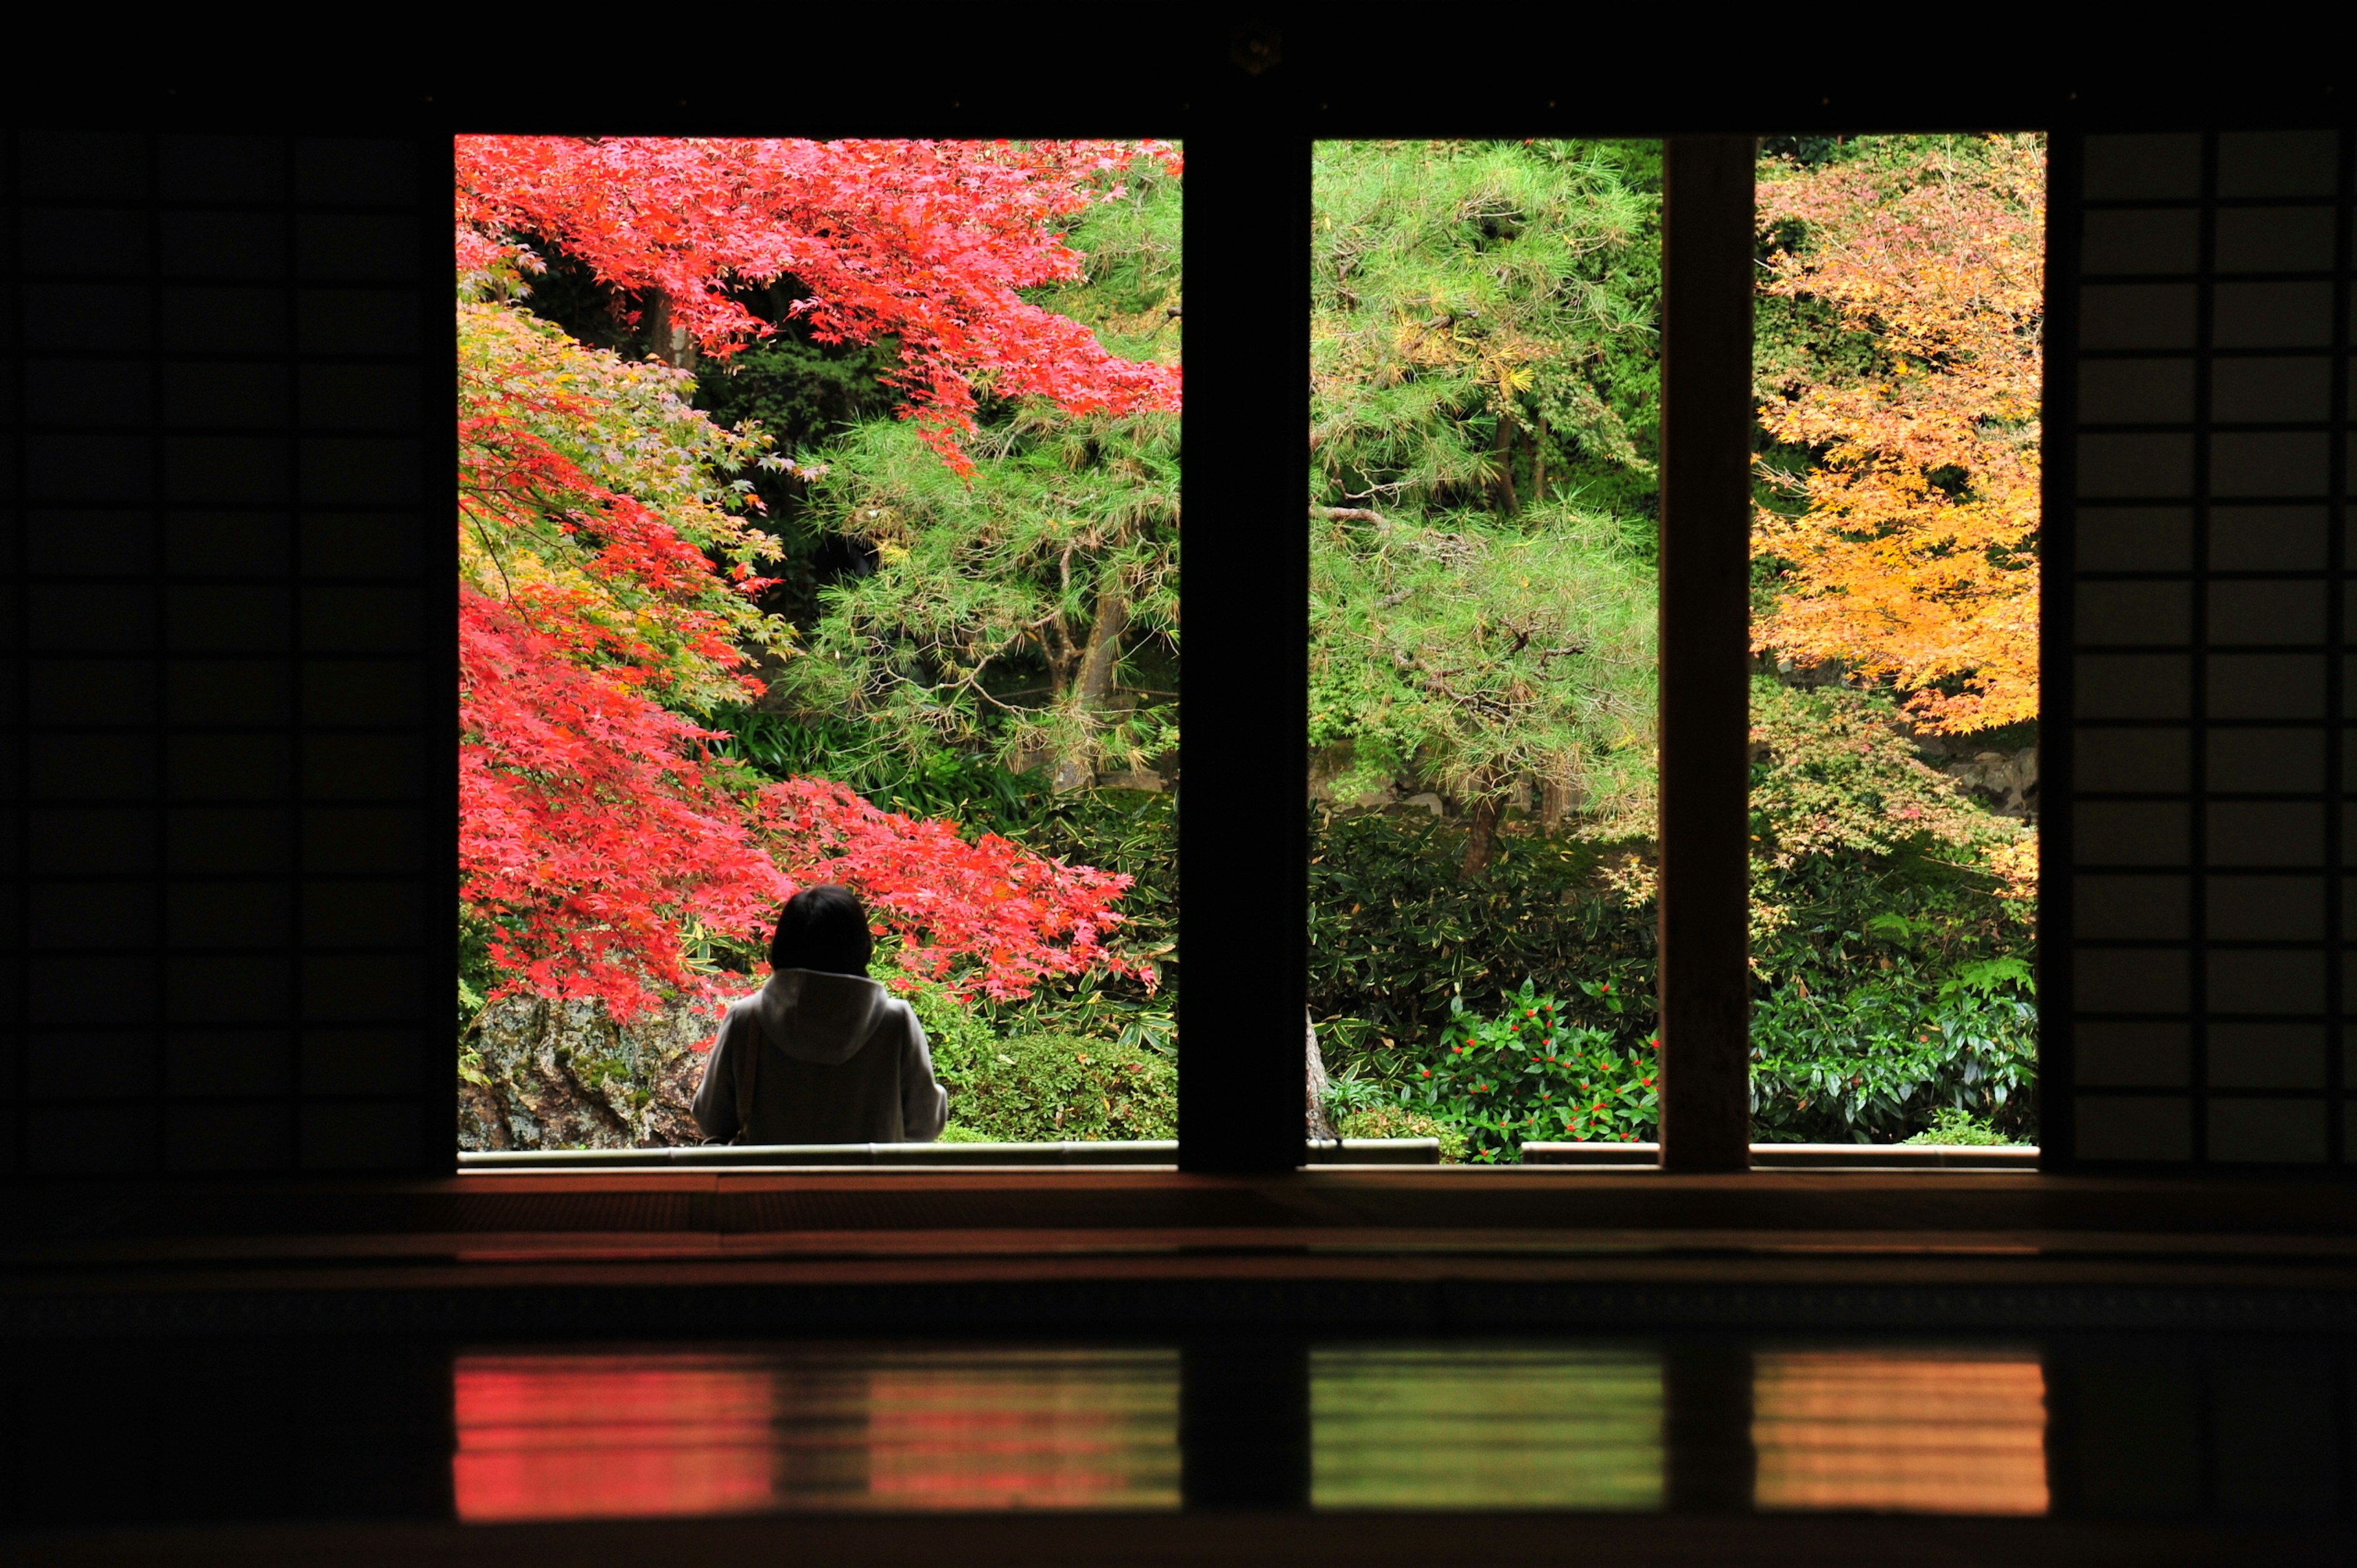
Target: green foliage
(1836, 773)
(1950, 1125)
(802, 392)
(1528, 1073)
(1876, 1063)
(1483, 654)
(1484, 375)
(1001, 608)
(1459, 284)
(1887, 989)
(957, 1035)
(806, 395)
(1130, 289)
(1869, 863)
(1029, 612)
(1397, 942)
(477, 975)
(1046, 1087)
(1402, 1121)
(966, 787)
(1135, 832)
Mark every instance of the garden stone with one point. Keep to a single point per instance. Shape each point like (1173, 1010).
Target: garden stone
(1318, 1127)
(564, 1075)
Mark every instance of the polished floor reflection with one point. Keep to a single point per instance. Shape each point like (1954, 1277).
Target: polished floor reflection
(1917, 1431)
(574, 1436)
(1485, 1426)
(2104, 1427)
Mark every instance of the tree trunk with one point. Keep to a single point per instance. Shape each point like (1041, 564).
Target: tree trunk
(1502, 451)
(1316, 1126)
(667, 339)
(1554, 802)
(1099, 662)
(1481, 839)
(1092, 686)
(1538, 464)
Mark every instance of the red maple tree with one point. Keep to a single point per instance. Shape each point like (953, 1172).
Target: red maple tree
(596, 830)
(608, 565)
(927, 241)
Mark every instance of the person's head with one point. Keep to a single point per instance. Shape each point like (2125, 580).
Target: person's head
(824, 928)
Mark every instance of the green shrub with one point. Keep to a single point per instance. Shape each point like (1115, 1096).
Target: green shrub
(1135, 832)
(1397, 941)
(1876, 1064)
(1530, 1073)
(955, 1032)
(1950, 1125)
(1402, 1121)
(1049, 1087)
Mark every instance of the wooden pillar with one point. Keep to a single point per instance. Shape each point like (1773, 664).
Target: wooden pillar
(1707, 283)
(1708, 1462)
(1244, 838)
(1243, 1423)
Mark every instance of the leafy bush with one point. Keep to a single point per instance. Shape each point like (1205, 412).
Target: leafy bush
(1402, 1121)
(1398, 943)
(1878, 1064)
(1531, 1074)
(957, 1034)
(1048, 1088)
(1137, 833)
(1950, 1125)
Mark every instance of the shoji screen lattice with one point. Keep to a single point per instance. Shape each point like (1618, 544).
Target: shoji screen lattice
(2209, 844)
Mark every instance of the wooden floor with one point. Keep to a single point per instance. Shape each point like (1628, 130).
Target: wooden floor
(1364, 1249)
(1168, 1541)
(383, 1279)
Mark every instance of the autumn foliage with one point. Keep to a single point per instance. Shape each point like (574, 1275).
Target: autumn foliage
(927, 241)
(985, 915)
(609, 556)
(1913, 553)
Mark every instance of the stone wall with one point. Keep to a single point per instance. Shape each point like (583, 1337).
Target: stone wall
(563, 1074)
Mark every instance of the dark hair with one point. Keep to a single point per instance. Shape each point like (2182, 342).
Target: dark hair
(826, 929)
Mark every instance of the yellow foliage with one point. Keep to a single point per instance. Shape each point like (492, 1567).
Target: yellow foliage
(1913, 558)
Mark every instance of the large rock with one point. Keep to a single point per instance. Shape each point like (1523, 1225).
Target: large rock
(1314, 1084)
(564, 1075)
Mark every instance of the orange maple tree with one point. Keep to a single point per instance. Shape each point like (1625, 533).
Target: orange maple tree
(1913, 555)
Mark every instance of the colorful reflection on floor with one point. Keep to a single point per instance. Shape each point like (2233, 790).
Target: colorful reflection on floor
(561, 1435)
(551, 1435)
(1485, 1427)
(170, 1430)
(1952, 1431)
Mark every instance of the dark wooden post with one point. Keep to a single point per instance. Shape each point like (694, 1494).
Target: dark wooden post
(1244, 839)
(1706, 266)
(1244, 1423)
(1708, 1462)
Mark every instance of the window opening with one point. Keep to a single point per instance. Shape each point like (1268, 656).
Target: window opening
(1483, 517)
(1897, 359)
(818, 506)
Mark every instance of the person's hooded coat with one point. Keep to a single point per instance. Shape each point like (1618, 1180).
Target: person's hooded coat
(815, 1057)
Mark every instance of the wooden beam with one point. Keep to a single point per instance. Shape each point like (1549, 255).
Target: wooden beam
(1243, 841)
(1707, 282)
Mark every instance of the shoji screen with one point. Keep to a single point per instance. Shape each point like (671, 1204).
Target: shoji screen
(227, 815)
(2205, 782)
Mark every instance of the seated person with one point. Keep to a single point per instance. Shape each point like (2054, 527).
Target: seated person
(821, 1054)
